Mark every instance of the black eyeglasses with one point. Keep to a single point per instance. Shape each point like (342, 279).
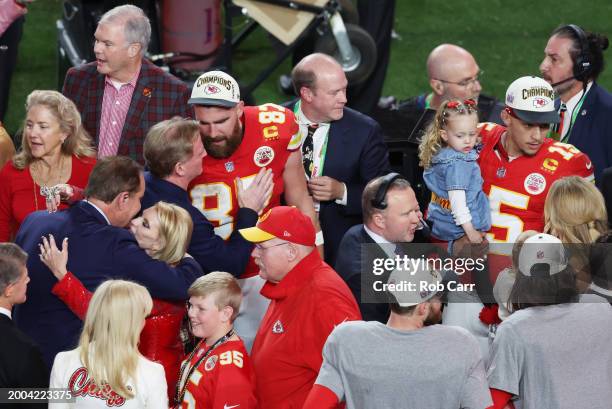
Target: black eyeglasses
(465, 83)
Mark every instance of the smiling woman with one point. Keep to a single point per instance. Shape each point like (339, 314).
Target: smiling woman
(55, 157)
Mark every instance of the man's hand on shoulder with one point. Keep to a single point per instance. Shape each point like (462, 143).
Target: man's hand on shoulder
(258, 192)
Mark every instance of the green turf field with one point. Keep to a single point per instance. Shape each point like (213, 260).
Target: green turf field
(506, 37)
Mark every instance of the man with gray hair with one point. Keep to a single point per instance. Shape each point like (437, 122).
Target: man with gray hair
(121, 94)
(173, 152)
(21, 363)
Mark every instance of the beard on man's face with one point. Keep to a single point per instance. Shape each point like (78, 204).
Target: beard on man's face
(222, 146)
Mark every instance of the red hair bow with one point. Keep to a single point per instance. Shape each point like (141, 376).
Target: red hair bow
(453, 104)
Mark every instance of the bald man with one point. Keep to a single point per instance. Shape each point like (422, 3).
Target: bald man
(342, 149)
(453, 73)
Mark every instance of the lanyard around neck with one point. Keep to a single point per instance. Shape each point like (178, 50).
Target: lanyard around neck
(182, 384)
(574, 115)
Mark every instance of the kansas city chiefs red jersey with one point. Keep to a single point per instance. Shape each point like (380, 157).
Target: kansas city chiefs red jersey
(225, 379)
(270, 135)
(517, 188)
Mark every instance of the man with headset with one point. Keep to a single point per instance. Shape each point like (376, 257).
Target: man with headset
(572, 63)
(391, 215)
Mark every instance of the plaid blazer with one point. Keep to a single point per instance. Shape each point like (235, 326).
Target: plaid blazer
(157, 96)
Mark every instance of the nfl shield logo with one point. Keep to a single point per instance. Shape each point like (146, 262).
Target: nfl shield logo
(229, 167)
(501, 172)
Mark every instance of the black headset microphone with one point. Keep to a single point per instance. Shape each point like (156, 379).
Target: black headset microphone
(582, 64)
(379, 201)
(573, 77)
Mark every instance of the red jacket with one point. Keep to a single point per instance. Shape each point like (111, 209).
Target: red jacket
(287, 354)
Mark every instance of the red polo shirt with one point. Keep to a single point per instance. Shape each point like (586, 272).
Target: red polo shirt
(306, 306)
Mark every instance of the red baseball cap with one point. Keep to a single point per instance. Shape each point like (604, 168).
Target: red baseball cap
(284, 222)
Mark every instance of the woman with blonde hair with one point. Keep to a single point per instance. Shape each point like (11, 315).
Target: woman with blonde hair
(106, 368)
(56, 157)
(164, 232)
(575, 212)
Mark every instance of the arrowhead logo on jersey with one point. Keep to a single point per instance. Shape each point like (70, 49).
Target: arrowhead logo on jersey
(212, 89)
(263, 156)
(211, 362)
(277, 328)
(539, 102)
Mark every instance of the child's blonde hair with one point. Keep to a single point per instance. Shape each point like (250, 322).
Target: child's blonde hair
(223, 286)
(432, 141)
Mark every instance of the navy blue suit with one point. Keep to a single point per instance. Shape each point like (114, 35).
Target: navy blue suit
(210, 250)
(349, 266)
(356, 154)
(97, 252)
(592, 130)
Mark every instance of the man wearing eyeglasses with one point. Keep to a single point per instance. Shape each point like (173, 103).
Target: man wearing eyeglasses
(307, 300)
(453, 74)
(121, 95)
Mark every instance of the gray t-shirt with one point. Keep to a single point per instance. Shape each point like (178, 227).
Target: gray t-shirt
(555, 357)
(373, 366)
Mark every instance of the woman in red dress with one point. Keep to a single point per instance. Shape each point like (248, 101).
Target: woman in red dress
(56, 151)
(164, 232)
